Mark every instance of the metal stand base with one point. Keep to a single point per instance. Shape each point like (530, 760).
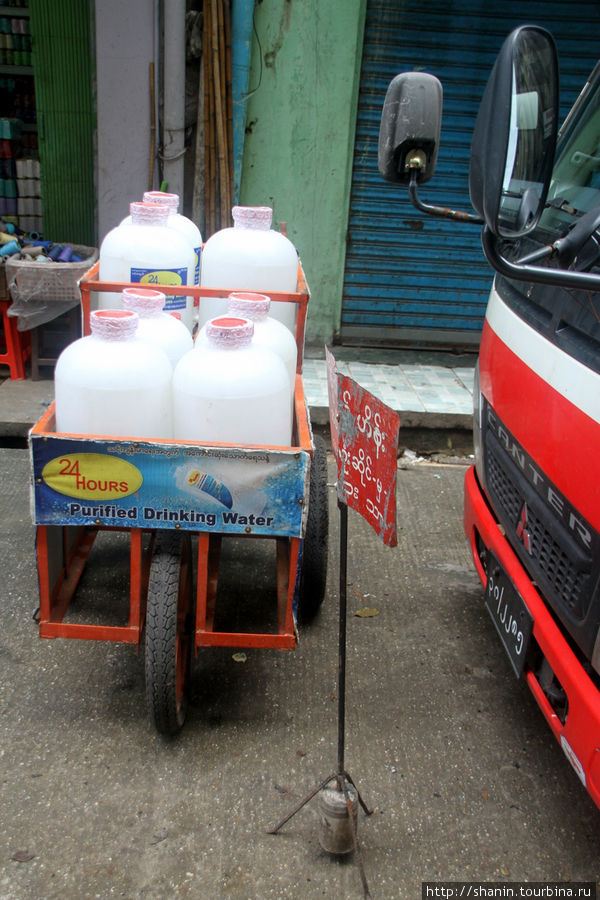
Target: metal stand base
(343, 780)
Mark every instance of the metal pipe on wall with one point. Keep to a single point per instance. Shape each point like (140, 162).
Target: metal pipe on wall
(242, 13)
(173, 140)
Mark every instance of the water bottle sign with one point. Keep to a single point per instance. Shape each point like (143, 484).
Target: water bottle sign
(201, 481)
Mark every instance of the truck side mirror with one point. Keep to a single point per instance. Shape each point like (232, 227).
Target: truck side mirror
(409, 133)
(512, 151)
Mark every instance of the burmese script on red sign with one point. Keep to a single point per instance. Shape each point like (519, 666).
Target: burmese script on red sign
(367, 452)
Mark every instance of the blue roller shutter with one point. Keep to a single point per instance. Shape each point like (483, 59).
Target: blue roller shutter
(410, 279)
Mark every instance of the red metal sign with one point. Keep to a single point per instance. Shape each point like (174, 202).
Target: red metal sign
(364, 437)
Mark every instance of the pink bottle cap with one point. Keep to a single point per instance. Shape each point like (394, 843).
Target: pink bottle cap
(162, 198)
(149, 213)
(258, 217)
(229, 332)
(114, 324)
(144, 301)
(249, 305)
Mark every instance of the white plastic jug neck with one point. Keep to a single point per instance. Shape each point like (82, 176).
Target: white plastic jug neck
(149, 213)
(229, 332)
(163, 198)
(147, 303)
(257, 217)
(249, 305)
(114, 324)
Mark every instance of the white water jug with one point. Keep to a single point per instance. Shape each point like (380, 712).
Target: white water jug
(268, 332)
(112, 383)
(232, 391)
(180, 223)
(250, 256)
(149, 252)
(157, 327)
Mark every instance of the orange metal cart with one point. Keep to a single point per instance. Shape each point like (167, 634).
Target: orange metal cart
(174, 554)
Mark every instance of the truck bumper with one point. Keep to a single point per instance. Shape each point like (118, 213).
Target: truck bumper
(579, 734)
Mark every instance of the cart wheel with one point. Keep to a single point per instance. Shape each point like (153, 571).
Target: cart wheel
(313, 578)
(169, 631)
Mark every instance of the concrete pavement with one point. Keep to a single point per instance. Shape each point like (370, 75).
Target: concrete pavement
(466, 782)
(444, 743)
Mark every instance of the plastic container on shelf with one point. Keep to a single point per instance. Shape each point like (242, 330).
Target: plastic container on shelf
(250, 256)
(113, 383)
(268, 332)
(232, 391)
(149, 252)
(178, 222)
(157, 327)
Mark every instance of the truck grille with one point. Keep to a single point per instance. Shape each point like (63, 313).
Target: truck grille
(559, 550)
(567, 582)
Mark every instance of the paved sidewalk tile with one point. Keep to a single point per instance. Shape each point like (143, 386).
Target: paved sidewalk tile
(406, 388)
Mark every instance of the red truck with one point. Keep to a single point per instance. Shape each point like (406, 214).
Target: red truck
(532, 498)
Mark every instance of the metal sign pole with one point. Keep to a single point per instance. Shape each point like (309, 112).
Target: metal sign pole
(364, 440)
(341, 777)
(342, 633)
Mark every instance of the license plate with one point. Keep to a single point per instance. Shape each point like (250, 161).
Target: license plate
(512, 619)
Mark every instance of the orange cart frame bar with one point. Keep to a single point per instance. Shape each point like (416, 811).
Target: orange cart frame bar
(56, 593)
(90, 284)
(58, 580)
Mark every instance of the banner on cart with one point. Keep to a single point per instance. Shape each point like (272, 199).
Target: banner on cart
(153, 485)
(364, 439)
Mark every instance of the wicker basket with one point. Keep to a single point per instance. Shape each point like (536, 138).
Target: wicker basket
(28, 280)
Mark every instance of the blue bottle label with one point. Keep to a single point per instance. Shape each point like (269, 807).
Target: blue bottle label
(198, 252)
(161, 278)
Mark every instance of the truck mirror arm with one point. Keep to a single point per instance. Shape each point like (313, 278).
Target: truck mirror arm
(440, 211)
(522, 271)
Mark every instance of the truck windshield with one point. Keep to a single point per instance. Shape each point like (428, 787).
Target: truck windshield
(575, 185)
(570, 319)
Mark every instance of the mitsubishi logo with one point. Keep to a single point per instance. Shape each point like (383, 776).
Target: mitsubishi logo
(522, 530)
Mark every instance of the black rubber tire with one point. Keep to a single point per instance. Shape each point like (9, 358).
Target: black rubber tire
(169, 631)
(313, 578)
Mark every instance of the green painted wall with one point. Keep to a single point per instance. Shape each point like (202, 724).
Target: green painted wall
(299, 142)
